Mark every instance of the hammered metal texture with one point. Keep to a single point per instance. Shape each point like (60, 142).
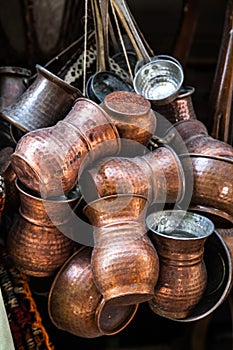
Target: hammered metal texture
(227, 235)
(44, 212)
(47, 162)
(179, 239)
(179, 109)
(12, 84)
(124, 262)
(38, 250)
(213, 183)
(47, 100)
(209, 146)
(76, 306)
(133, 117)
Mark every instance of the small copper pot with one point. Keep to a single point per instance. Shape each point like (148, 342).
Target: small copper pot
(13, 83)
(43, 212)
(76, 306)
(179, 109)
(158, 176)
(47, 100)
(38, 250)
(179, 238)
(212, 188)
(134, 119)
(49, 163)
(124, 262)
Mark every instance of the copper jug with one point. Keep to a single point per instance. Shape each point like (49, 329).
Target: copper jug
(124, 262)
(134, 118)
(49, 160)
(179, 238)
(158, 176)
(47, 100)
(76, 306)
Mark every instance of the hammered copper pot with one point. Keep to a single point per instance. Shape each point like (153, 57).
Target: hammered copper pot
(179, 109)
(47, 100)
(13, 83)
(213, 187)
(76, 306)
(158, 176)
(38, 250)
(43, 212)
(124, 262)
(49, 160)
(134, 118)
(179, 238)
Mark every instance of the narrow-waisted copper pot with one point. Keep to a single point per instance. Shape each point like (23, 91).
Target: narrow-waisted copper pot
(134, 119)
(158, 175)
(76, 306)
(179, 109)
(13, 83)
(179, 238)
(124, 262)
(47, 100)
(212, 188)
(49, 160)
(38, 250)
(43, 212)
(195, 136)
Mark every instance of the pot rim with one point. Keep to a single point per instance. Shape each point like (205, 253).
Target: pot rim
(185, 214)
(208, 156)
(14, 70)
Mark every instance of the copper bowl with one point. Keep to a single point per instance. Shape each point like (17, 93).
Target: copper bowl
(38, 250)
(76, 306)
(212, 177)
(44, 212)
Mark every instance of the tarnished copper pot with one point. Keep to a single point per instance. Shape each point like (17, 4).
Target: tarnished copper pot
(179, 109)
(133, 117)
(212, 186)
(44, 212)
(158, 176)
(49, 160)
(179, 238)
(124, 262)
(13, 83)
(76, 306)
(47, 100)
(38, 250)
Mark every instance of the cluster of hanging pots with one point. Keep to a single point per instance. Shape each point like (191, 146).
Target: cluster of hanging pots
(150, 184)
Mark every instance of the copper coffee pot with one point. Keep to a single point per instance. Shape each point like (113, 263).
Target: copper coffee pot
(124, 262)
(179, 238)
(49, 163)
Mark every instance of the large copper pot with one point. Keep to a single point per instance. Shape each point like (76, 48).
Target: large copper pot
(124, 262)
(38, 250)
(47, 100)
(158, 175)
(49, 160)
(76, 306)
(134, 119)
(179, 238)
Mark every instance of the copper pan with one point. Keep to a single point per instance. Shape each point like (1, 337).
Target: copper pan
(76, 306)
